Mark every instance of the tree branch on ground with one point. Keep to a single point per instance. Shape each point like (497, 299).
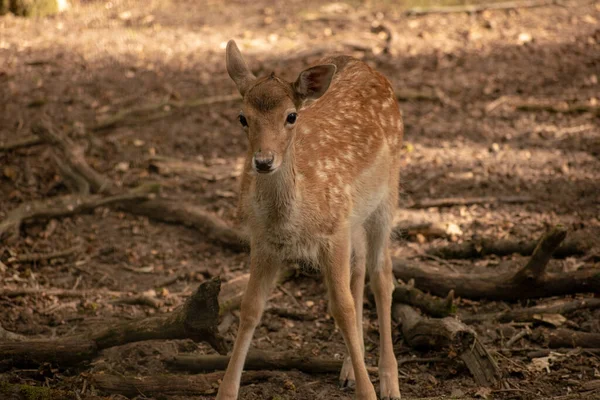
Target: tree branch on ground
(448, 333)
(196, 319)
(467, 201)
(64, 206)
(25, 141)
(475, 8)
(163, 109)
(11, 391)
(481, 247)
(182, 385)
(528, 282)
(431, 305)
(266, 360)
(566, 338)
(37, 257)
(528, 314)
(73, 156)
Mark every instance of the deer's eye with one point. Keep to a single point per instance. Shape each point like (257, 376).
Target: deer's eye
(291, 118)
(243, 120)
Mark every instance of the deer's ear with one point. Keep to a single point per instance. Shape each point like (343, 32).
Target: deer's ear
(237, 68)
(313, 82)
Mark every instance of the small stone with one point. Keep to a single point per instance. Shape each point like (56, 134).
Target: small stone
(122, 166)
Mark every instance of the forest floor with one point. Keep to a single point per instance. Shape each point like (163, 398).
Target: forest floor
(467, 135)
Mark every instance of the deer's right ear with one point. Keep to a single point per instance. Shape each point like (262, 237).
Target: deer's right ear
(237, 68)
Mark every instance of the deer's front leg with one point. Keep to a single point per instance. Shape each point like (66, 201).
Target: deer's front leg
(337, 276)
(263, 270)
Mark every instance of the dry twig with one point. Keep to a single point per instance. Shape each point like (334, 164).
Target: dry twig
(475, 8)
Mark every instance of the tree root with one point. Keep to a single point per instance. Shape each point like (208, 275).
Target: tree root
(566, 338)
(529, 282)
(528, 314)
(431, 305)
(196, 319)
(182, 385)
(481, 247)
(64, 206)
(26, 141)
(475, 8)
(467, 201)
(435, 334)
(160, 110)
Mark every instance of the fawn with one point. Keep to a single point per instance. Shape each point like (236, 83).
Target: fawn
(320, 184)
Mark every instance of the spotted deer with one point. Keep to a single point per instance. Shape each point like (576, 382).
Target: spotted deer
(319, 186)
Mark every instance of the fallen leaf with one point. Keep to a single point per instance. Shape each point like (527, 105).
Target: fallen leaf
(483, 392)
(555, 320)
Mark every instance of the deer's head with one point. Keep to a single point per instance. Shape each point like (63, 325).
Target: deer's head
(270, 109)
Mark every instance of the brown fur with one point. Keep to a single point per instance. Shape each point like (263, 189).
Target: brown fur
(332, 194)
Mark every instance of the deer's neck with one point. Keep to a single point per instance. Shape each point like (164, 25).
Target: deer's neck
(276, 193)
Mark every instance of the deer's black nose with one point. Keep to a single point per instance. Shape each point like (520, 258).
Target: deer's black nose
(263, 161)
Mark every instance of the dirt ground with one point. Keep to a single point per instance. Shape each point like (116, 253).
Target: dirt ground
(102, 57)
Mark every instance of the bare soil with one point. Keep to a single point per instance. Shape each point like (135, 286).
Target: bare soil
(99, 58)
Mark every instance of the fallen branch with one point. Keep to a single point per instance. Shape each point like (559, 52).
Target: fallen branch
(166, 166)
(481, 247)
(159, 110)
(37, 257)
(191, 216)
(566, 338)
(467, 201)
(26, 141)
(528, 314)
(528, 282)
(64, 206)
(406, 94)
(30, 392)
(10, 336)
(562, 108)
(434, 306)
(475, 8)
(448, 333)
(182, 385)
(61, 293)
(196, 319)
(567, 351)
(73, 156)
(257, 360)
(266, 360)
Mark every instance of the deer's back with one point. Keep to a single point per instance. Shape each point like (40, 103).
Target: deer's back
(348, 142)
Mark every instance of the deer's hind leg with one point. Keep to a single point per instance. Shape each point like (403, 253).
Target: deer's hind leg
(357, 287)
(379, 267)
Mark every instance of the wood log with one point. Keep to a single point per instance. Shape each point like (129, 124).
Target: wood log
(25, 141)
(566, 338)
(257, 360)
(466, 201)
(163, 109)
(73, 156)
(265, 360)
(196, 319)
(64, 206)
(433, 306)
(10, 391)
(527, 314)
(448, 333)
(191, 216)
(474, 8)
(482, 247)
(182, 385)
(531, 281)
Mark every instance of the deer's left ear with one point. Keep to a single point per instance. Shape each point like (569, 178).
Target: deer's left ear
(313, 82)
